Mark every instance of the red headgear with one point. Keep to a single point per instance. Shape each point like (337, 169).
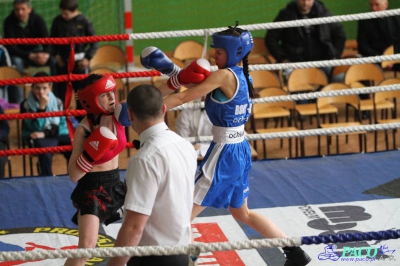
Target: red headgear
(89, 96)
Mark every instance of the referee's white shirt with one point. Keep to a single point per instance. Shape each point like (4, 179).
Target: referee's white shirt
(160, 184)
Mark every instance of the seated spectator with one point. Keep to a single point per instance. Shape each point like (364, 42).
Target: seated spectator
(71, 23)
(24, 22)
(307, 43)
(194, 123)
(44, 132)
(4, 131)
(375, 35)
(10, 94)
(5, 59)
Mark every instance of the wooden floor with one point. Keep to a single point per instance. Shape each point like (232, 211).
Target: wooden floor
(274, 149)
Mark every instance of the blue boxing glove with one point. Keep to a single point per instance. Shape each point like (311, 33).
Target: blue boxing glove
(152, 57)
(121, 114)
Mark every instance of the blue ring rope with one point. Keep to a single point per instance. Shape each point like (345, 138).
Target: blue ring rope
(350, 237)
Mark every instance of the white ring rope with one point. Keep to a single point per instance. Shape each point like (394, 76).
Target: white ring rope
(308, 132)
(303, 96)
(286, 24)
(324, 63)
(270, 25)
(321, 94)
(193, 249)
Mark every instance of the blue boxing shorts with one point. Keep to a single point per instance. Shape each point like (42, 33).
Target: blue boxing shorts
(223, 177)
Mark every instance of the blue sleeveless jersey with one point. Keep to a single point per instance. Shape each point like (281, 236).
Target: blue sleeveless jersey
(223, 176)
(230, 112)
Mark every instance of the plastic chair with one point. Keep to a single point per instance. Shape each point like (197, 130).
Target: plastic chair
(6, 141)
(260, 54)
(17, 123)
(109, 56)
(276, 110)
(7, 72)
(265, 79)
(29, 144)
(339, 101)
(187, 51)
(339, 70)
(306, 80)
(393, 64)
(364, 72)
(390, 97)
(360, 76)
(350, 49)
(310, 109)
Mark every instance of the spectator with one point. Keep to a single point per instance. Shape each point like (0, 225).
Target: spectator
(44, 132)
(6, 61)
(24, 22)
(308, 43)
(4, 131)
(194, 123)
(71, 23)
(375, 35)
(12, 94)
(159, 181)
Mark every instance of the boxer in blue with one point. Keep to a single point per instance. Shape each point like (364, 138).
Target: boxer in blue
(223, 176)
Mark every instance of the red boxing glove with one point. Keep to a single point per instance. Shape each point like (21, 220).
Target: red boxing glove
(96, 145)
(195, 73)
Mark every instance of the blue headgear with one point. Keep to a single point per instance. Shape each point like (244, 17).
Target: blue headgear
(236, 45)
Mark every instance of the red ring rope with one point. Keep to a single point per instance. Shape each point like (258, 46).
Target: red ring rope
(61, 78)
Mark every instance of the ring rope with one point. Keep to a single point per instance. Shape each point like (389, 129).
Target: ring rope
(270, 25)
(202, 32)
(65, 40)
(308, 132)
(197, 105)
(197, 248)
(76, 77)
(324, 63)
(42, 114)
(151, 73)
(302, 96)
(54, 149)
(250, 137)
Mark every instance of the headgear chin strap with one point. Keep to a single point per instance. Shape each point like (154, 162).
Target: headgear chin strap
(236, 42)
(89, 96)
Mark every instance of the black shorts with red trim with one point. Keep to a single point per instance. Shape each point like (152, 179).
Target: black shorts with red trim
(98, 193)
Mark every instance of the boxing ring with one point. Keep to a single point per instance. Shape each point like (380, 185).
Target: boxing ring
(342, 209)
